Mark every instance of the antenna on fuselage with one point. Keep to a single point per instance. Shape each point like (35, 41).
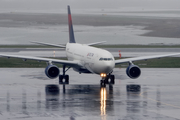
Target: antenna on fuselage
(71, 31)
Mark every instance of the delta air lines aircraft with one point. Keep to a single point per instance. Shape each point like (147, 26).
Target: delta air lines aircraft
(84, 58)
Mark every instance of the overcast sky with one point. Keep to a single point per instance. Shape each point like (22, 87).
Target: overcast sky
(57, 5)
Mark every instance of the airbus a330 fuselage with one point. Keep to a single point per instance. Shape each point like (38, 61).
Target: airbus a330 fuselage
(92, 60)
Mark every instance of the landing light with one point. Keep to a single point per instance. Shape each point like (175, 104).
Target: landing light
(103, 74)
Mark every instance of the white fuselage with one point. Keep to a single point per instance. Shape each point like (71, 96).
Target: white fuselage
(93, 59)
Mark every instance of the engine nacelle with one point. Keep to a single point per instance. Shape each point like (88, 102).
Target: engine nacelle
(133, 71)
(52, 71)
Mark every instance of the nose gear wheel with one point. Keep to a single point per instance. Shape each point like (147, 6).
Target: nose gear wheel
(109, 79)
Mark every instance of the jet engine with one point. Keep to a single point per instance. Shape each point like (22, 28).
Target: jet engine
(133, 71)
(52, 71)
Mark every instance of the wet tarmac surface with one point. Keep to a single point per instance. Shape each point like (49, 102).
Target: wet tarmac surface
(26, 93)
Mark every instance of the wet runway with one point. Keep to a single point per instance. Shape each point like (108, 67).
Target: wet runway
(26, 93)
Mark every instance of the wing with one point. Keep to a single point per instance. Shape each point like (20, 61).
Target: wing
(48, 44)
(64, 62)
(143, 58)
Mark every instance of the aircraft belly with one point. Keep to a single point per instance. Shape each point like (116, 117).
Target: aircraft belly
(89, 67)
(81, 70)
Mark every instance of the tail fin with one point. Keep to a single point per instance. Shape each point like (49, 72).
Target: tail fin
(71, 31)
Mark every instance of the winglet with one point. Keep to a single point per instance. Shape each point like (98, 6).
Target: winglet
(71, 31)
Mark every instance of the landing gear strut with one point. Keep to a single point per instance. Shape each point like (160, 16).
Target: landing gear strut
(64, 79)
(107, 79)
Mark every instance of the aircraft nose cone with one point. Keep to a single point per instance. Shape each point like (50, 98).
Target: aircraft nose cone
(104, 67)
(109, 66)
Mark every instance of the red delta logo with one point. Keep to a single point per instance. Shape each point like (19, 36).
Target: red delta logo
(90, 54)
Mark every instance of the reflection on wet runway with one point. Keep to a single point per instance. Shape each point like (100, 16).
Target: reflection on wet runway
(103, 101)
(82, 101)
(97, 97)
(37, 99)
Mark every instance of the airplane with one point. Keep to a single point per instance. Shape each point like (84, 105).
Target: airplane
(84, 58)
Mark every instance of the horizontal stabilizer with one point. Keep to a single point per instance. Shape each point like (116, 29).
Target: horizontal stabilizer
(48, 44)
(96, 43)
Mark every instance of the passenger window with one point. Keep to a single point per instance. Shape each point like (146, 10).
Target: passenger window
(101, 59)
(105, 59)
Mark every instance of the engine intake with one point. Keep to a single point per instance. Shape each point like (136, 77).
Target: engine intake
(52, 71)
(133, 71)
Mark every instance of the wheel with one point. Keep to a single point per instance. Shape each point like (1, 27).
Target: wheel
(112, 77)
(66, 77)
(60, 79)
(106, 80)
(103, 84)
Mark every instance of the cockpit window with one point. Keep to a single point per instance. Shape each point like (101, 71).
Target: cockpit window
(109, 59)
(105, 59)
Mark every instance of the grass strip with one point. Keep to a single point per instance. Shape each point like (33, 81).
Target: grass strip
(168, 62)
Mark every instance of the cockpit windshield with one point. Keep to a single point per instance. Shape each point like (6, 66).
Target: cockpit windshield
(105, 59)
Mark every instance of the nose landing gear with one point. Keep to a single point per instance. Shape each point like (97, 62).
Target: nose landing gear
(107, 79)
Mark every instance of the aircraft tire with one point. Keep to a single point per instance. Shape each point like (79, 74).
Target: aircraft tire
(60, 79)
(66, 79)
(103, 84)
(106, 81)
(112, 79)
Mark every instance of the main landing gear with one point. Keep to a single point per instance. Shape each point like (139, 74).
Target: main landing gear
(107, 79)
(64, 79)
